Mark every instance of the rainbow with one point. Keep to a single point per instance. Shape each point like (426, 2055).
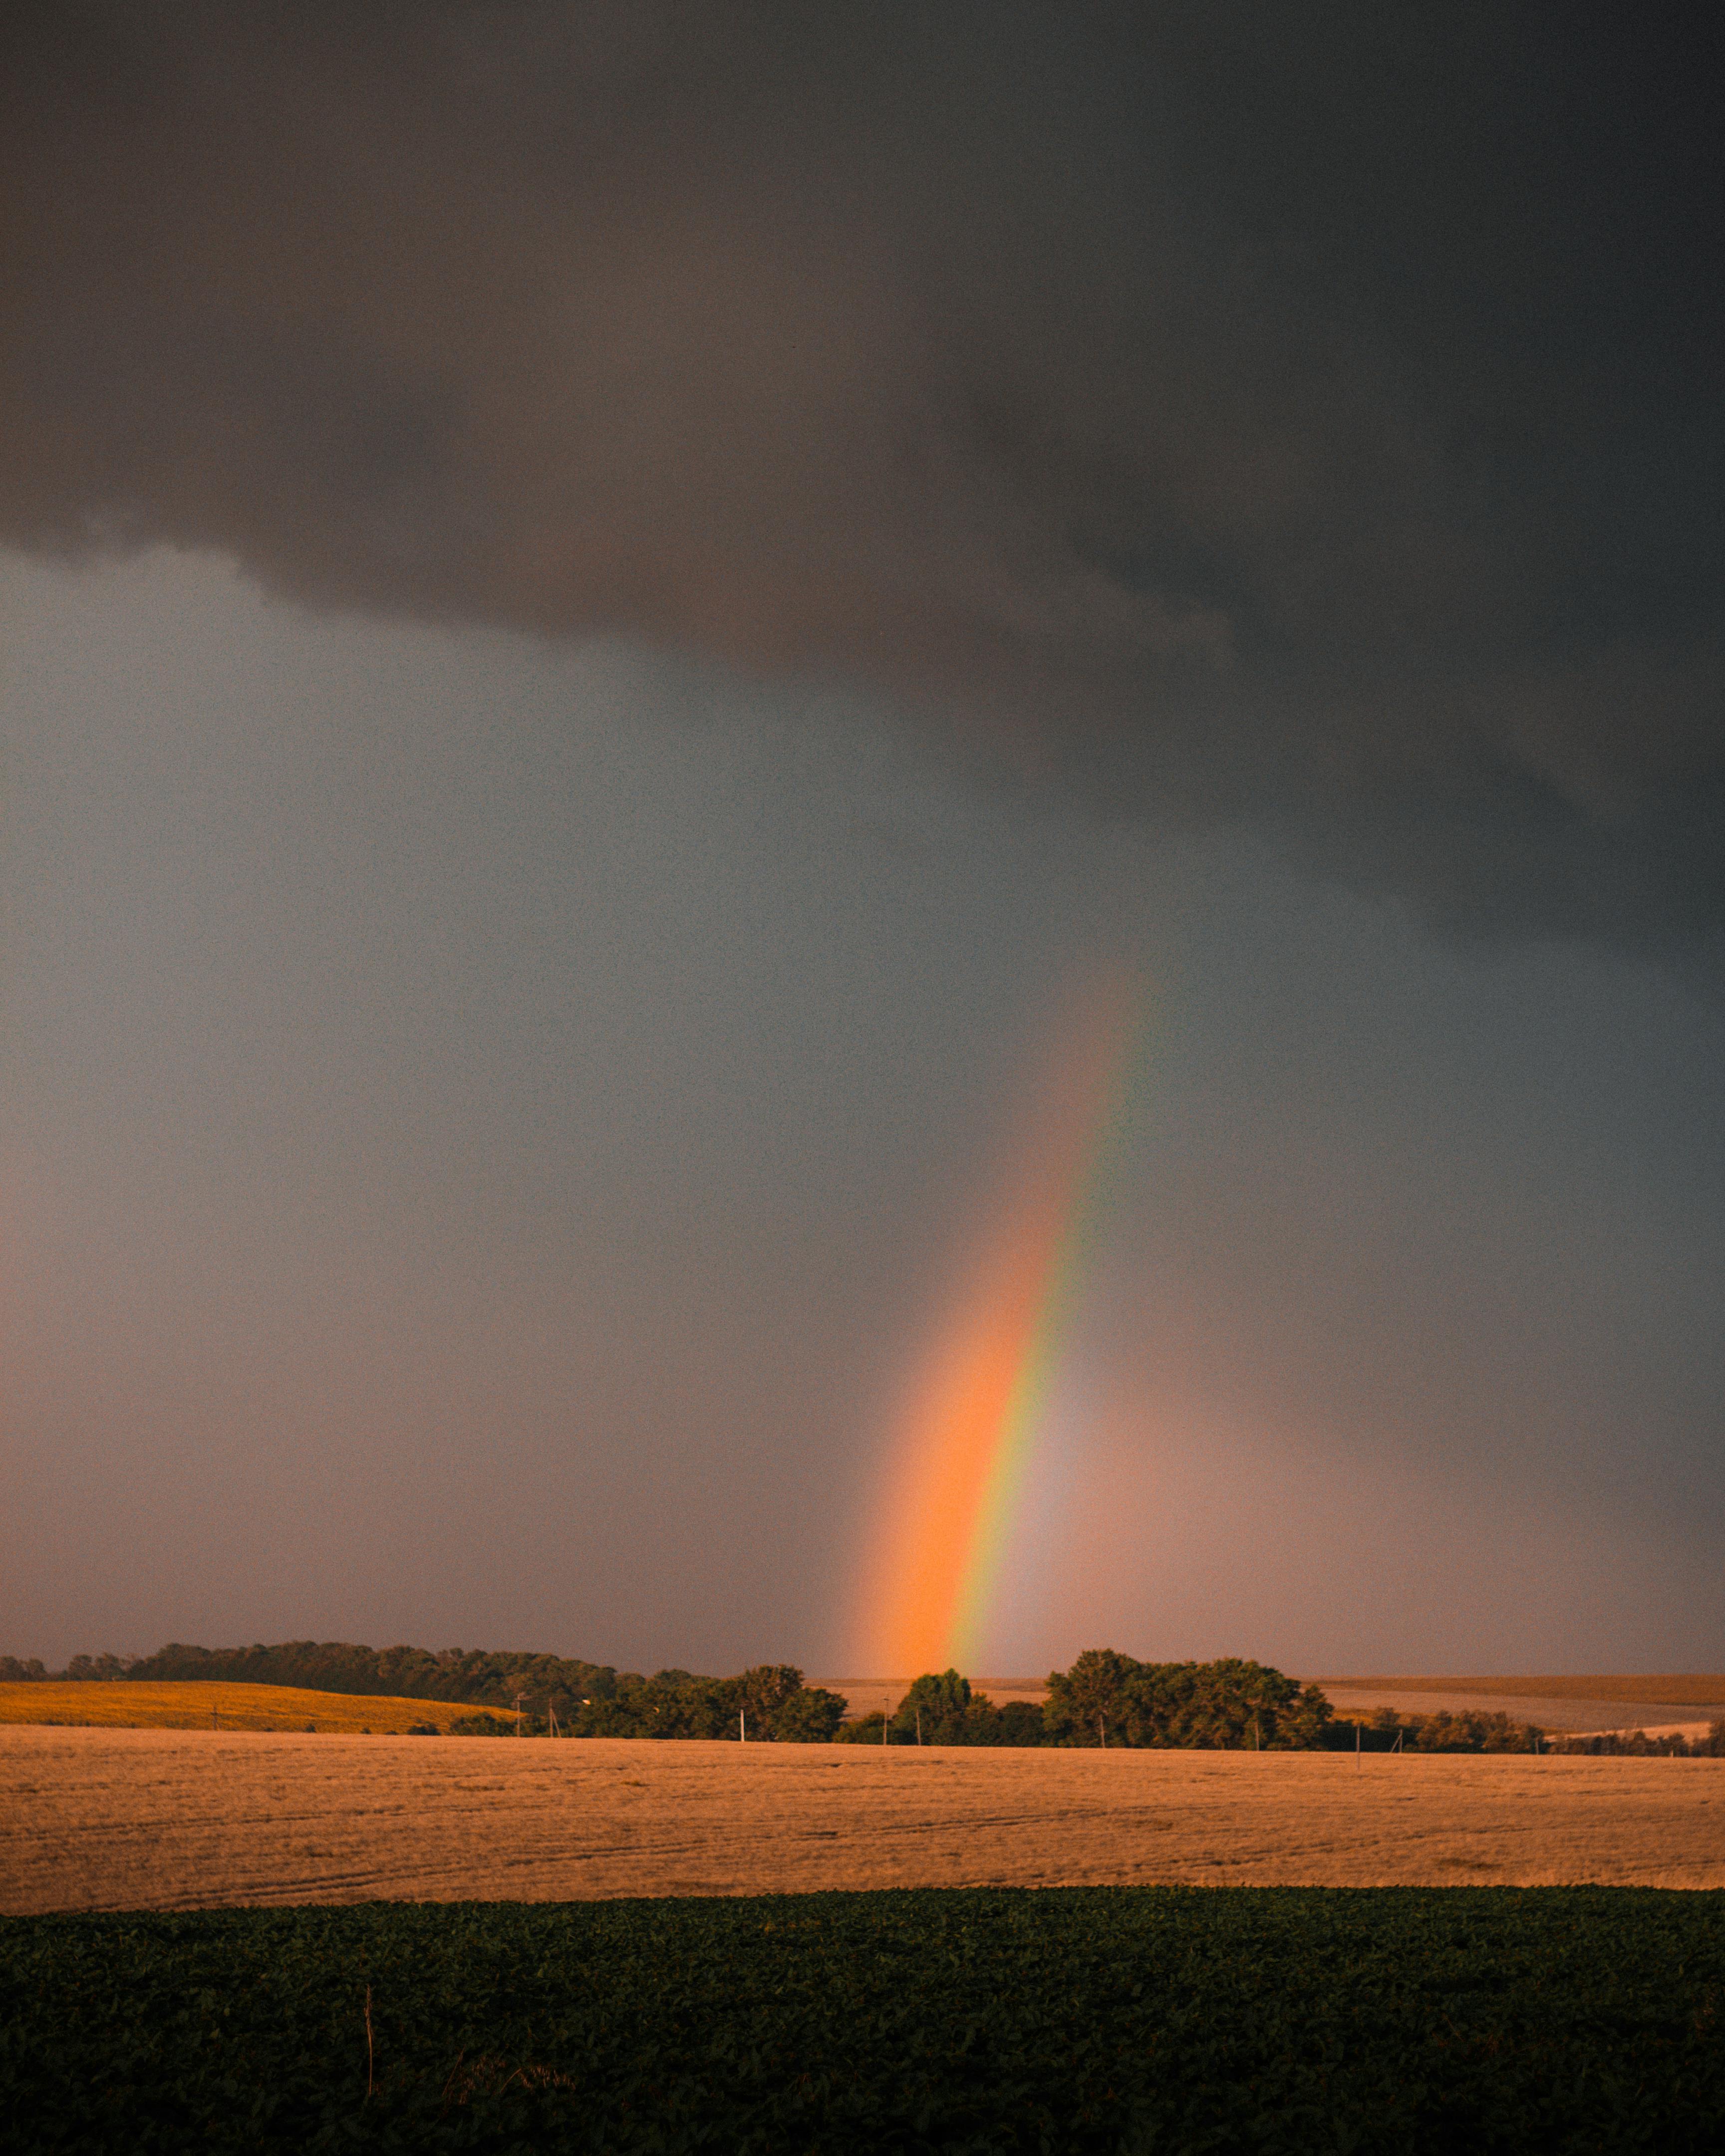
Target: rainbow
(969, 1432)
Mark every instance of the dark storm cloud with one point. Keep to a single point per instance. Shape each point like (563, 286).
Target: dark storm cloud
(1311, 415)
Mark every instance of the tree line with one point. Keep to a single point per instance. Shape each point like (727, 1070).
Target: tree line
(1468, 1731)
(1105, 1700)
(460, 1676)
(771, 1704)
(1387, 1731)
(584, 1699)
(1637, 1744)
(1105, 1697)
(1108, 1699)
(941, 1708)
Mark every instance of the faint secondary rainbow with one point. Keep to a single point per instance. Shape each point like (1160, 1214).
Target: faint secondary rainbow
(968, 1435)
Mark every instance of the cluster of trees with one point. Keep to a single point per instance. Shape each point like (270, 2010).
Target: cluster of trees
(770, 1703)
(942, 1710)
(588, 1699)
(458, 1675)
(1637, 1744)
(1109, 1699)
(461, 1676)
(1106, 1699)
(1387, 1731)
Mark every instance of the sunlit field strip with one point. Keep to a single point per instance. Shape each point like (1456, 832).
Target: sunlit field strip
(224, 1705)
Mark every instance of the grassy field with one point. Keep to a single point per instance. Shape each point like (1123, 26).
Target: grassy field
(142, 1818)
(1417, 2023)
(210, 1705)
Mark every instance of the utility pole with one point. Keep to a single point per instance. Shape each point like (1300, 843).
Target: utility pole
(743, 1726)
(519, 1698)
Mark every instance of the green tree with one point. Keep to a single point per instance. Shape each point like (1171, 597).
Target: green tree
(934, 1708)
(1020, 1722)
(1092, 1699)
(1303, 1725)
(810, 1716)
(1221, 1705)
(763, 1691)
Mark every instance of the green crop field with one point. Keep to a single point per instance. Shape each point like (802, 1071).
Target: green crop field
(1161, 2019)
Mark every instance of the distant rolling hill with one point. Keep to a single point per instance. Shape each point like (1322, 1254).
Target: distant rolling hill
(193, 1705)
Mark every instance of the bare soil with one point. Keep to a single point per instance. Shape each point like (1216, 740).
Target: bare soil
(113, 1818)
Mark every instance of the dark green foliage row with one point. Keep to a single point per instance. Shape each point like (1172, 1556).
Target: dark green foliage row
(1415, 2022)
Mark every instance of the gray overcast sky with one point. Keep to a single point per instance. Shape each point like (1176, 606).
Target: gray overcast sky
(605, 609)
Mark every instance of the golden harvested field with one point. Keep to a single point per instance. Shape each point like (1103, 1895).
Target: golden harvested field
(201, 1706)
(175, 1820)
